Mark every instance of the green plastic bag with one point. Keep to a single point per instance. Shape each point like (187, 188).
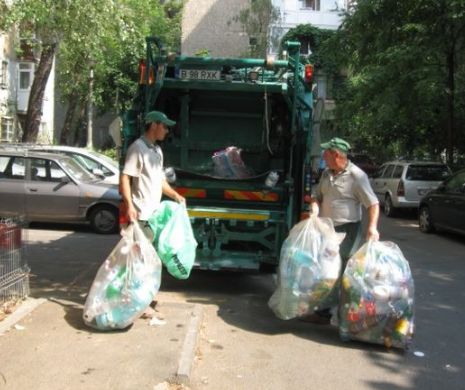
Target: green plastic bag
(173, 238)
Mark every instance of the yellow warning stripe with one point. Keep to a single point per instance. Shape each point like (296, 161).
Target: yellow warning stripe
(227, 215)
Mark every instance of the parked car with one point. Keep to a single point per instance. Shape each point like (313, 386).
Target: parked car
(364, 162)
(47, 187)
(444, 208)
(401, 184)
(96, 163)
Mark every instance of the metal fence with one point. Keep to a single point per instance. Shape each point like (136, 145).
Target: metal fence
(14, 272)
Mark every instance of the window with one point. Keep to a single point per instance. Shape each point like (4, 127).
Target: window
(388, 172)
(4, 74)
(12, 167)
(6, 129)
(46, 170)
(398, 172)
(427, 172)
(311, 4)
(456, 184)
(25, 75)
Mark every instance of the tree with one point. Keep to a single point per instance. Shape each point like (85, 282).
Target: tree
(404, 60)
(109, 34)
(115, 53)
(256, 20)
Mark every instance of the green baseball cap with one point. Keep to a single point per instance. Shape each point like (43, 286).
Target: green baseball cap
(157, 116)
(336, 143)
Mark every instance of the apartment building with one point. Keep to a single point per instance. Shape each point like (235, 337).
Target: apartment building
(16, 77)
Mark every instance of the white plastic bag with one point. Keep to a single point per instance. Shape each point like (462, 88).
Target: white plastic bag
(377, 296)
(309, 267)
(125, 283)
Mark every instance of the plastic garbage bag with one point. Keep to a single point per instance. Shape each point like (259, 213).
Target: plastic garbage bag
(377, 296)
(173, 238)
(228, 164)
(309, 267)
(125, 283)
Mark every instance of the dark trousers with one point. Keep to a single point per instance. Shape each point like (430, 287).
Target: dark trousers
(351, 243)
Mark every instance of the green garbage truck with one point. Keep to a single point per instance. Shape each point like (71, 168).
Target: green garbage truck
(240, 149)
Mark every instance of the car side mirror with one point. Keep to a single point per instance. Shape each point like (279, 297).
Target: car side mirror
(98, 172)
(65, 179)
(441, 187)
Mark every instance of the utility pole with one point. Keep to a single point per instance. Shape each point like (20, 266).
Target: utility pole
(90, 108)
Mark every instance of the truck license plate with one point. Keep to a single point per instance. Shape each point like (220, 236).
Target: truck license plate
(198, 74)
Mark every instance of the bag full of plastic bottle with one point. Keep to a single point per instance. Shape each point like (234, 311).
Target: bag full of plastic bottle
(173, 238)
(228, 164)
(309, 267)
(125, 283)
(377, 296)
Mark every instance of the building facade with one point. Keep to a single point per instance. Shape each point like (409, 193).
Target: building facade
(209, 26)
(16, 77)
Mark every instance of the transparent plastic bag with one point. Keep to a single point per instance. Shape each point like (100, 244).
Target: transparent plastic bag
(173, 238)
(377, 296)
(228, 164)
(309, 267)
(125, 283)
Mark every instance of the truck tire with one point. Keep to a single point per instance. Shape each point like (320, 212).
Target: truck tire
(104, 219)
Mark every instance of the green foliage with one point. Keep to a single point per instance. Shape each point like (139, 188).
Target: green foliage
(405, 94)
(202, 53)
(107, 35)
(111, 153)
(256, 20)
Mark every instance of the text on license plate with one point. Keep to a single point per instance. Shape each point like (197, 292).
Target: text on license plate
(198, 74)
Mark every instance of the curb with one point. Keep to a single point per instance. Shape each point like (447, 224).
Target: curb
(188, 349)
(22, 311)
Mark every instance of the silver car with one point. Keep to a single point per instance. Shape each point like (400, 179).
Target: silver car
(49, 187)
(96, 163)
(401, 184)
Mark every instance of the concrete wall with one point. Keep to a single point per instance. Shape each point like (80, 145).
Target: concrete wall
(207, 24)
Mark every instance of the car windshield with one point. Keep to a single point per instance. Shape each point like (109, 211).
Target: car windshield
(427, 172)
(77, 171)
(104, 157)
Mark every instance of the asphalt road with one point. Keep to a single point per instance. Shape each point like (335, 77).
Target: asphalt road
(244, 346)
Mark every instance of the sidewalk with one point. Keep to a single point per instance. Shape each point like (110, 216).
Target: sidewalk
(51, 348)
(46, 345)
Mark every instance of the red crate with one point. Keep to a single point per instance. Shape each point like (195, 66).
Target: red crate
(10, 236)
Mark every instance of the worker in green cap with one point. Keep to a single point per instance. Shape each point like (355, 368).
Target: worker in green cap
(342, 190)
(143, 179)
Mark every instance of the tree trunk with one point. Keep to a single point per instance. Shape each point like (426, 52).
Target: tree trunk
(67, 129)
(34, 108)
(450, 106)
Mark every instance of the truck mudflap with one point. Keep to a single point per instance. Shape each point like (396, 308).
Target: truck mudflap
(236, 239)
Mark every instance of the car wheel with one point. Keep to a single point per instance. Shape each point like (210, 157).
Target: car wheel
(424, 220)
(389, 209)
(104, 219)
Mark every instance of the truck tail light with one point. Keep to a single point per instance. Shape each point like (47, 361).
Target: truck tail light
(401, 189)
(142, 70)
(308, 74)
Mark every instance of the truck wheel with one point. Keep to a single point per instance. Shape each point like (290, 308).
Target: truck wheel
(389, 209)
(424, 220)
(104, 219)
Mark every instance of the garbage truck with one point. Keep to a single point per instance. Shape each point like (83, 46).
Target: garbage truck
(240, 151)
